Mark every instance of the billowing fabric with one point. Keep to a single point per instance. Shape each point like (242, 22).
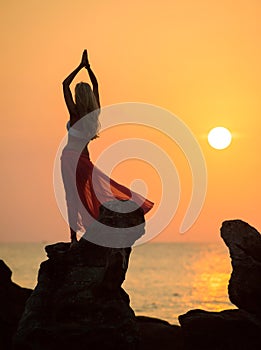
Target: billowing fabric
(88, 188)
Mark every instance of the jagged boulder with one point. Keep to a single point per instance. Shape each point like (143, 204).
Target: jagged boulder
(12, 302)
(157, 334)
(238, 328)
(78, 302)
(225, 330)
(244, 243)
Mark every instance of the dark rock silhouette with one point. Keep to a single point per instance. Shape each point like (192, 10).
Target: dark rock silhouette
(225, 330)
(12, 302)
(158, 334)
(244, 243)
(79, 302)
(237, 328)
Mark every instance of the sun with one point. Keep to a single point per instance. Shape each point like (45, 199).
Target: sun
(219, 137)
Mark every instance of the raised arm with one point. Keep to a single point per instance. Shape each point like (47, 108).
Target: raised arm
(66, 85)
(94, 83)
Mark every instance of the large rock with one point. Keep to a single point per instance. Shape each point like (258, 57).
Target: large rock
(239, 328)
(244, 243)
(225, 330)
(78, 302)
(12, 302)
(156, 334)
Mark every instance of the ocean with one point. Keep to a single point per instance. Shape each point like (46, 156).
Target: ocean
(164, 280)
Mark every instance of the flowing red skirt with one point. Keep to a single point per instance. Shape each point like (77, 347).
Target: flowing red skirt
(87, 187)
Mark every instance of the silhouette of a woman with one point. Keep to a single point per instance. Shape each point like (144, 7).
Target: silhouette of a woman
(82, 188)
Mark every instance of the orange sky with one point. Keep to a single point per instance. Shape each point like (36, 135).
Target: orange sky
(198, 59)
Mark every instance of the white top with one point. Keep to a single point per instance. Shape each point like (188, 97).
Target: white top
(74, 132)
(83, 131)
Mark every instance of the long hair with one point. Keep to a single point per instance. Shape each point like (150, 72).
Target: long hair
(86, 104)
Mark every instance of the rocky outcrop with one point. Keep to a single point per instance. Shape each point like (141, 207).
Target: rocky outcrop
(244, 243)
(156, 334)
(12, 302)
(239, 328)
(78, 302)
(225, 330)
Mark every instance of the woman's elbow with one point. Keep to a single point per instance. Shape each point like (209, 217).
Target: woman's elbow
(66, 82)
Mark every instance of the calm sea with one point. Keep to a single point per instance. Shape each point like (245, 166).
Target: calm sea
(163, 280)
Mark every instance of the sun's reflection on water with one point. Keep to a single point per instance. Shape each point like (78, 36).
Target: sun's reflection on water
(210, 273)
(178, 277)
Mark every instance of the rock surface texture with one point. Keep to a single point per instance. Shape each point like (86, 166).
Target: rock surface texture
(12, 302)
(225, 330)
(238, 329)
(244, 243)
(79, 302)
(157, 334)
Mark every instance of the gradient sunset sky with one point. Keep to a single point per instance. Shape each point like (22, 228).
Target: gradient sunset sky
(198, 59)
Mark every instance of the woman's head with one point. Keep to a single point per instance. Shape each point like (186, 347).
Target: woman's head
(85, 99)
(87, 106)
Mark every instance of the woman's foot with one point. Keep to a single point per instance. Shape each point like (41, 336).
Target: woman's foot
(74, 243)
